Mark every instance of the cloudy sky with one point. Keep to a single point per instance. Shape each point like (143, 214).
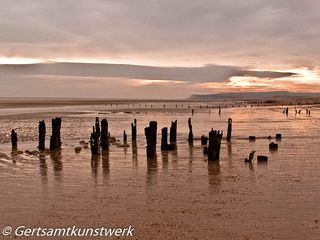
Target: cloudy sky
(157, 48)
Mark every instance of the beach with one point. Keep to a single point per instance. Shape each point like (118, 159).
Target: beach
(177, 195)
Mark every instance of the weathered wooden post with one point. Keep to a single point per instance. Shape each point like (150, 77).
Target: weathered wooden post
(42, 135)
(190, 137)
(55, 140)
(164, 138)
(134, 130)
(229, 129)
(94, 142)
(124, 137)
(14, 139)
(97, 126)
(151, 136)
(104, 135)
(173, 132)
(204, 140)
(214, 145)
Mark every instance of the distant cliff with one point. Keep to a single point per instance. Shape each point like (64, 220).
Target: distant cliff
(251, 95)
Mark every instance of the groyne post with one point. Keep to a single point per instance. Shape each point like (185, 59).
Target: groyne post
(14, 138)
(55, 140)
(190, 136)
(214, 145)
(173, 132)
(151, 137)
(134, 130)
(104, 135)
(42, 135)
(229, 129)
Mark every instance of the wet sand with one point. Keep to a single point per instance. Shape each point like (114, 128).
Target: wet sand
(179, 195)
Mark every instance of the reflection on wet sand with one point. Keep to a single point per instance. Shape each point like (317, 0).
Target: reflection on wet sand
(95, 162)
(152, 169)
(249, 165)
(105, 163)
(134, 154)
(56, 159)
(43, 166)
(165, 159)
(214, 174)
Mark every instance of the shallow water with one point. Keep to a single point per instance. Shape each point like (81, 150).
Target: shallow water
(179, 195)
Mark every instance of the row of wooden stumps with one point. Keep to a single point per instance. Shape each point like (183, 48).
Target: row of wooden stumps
(99, 136)
(55, 139)
(215, 137)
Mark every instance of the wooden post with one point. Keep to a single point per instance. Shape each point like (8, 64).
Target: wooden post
(134, 130)
(214, 145)
(55, 140)
(98, 126)
(14, 138)
(190, 137)
(229, 129)
(204, 140)
(42, 135)
(219, 110)
(151, 136)
(124, 137)
(94, 143)
(164, 138)
(173, 132)
(104, 135)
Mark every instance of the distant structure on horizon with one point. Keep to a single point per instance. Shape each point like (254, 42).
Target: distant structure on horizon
(252, 95)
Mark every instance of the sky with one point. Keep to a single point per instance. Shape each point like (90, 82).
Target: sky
(157, 48)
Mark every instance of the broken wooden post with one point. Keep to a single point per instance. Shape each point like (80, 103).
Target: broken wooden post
(42, 135)
(55, 140)
(262, 158)
(151, 136)
(250, 157)
(124, 137)
(173, 132)
(94, 142)
(229, 129)
(164, 141)
(252, 138)
(14, 139)
(104, 135)
(204, 140)
(214, 145)
(190, 137)
(134, 130)
(273, 146)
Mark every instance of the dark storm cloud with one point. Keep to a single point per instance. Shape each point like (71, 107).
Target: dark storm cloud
(209, 73)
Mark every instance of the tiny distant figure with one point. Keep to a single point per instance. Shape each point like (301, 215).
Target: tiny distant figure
(192, 111)
(219, 110)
